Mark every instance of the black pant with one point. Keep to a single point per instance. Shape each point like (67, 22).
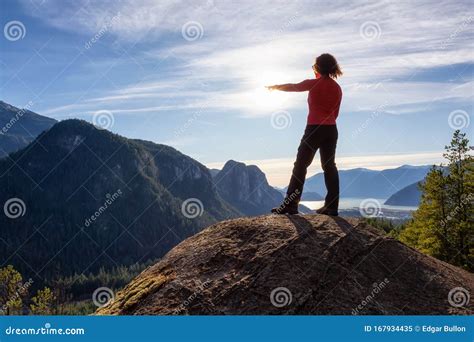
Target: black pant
(324, 138)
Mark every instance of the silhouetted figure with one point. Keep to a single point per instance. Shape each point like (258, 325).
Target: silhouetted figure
(324, 100)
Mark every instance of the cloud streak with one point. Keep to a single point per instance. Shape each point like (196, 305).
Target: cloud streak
(243, 47)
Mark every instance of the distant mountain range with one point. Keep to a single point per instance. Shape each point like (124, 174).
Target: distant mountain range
(307, 195)
(81, 198)
(91, 199)
(365, 183)
(19, 127)
(81, 191)
(408, 196)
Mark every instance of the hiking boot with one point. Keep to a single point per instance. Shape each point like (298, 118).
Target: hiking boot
(284, 209)
(326, 211)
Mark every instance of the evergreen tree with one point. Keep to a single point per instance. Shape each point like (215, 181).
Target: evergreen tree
(12, 290)
(42, 303)
(461, 196)
(443, 225)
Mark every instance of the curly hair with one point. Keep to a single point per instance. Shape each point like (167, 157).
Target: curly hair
(327, 65)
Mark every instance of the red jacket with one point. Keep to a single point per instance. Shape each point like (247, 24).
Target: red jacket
(324, 100)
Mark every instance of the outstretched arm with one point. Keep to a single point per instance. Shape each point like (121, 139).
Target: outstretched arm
(302, 86)
(283, 87)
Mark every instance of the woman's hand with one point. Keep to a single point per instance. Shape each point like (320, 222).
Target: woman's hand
(272, 87)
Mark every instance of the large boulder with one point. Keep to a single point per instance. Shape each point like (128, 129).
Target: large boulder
(301, 264)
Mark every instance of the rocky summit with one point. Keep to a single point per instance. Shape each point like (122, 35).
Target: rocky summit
(301, 264)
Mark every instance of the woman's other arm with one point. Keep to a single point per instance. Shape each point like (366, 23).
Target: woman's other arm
(302, 86)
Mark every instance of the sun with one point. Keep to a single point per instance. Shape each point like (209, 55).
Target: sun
(265, 99)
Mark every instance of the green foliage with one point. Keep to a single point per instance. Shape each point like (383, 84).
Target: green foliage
(43, 302)
(12, 290)
(70, 295)
(67, 183)
(84, 307)
(443, 224)
(386, 225)
(80, 286)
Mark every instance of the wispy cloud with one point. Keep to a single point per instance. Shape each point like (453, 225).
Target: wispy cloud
(398, 57)
(243, 47)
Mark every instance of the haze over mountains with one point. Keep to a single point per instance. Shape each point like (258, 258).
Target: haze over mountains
(409, 196)
(117, 201)
(364, 183)
(111, 200)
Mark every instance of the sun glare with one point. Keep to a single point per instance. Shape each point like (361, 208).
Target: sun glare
(266, 99)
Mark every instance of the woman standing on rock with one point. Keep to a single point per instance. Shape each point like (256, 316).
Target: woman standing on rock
(324, 100)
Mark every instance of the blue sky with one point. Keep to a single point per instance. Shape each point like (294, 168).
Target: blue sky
(190, 74)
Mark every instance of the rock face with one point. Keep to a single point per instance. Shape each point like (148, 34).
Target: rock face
(246, 188)
(301, 264)
(95, 191)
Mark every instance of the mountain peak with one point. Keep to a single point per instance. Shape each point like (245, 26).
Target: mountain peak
(76, 125)
(246, 188)
(308, 264)
(73, 170)
(19, 127)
